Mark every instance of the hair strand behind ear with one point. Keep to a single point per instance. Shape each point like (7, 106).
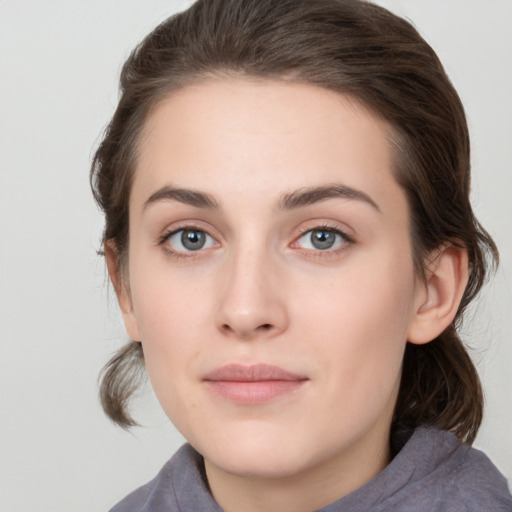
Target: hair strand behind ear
(119, 380)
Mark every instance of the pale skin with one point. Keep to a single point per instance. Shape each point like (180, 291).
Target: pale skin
(300, 258)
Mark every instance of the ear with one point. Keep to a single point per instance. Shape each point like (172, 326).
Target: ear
(119, 281)
(439, 295)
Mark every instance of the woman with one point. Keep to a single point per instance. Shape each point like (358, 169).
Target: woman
(289, 234)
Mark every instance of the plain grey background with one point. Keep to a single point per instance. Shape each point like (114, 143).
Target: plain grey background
(59, 65)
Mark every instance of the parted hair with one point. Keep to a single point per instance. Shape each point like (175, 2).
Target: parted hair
(352, 47)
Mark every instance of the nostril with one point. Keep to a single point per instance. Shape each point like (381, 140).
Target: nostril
(246, 331)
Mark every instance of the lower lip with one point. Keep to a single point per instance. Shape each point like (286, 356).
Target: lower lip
(256, 392)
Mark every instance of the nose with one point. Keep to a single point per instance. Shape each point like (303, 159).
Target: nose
(253, 298)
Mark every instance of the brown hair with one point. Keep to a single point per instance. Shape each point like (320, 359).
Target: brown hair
(352, 47)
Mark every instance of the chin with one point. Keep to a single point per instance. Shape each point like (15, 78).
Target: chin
(257, 463)
(259, 453)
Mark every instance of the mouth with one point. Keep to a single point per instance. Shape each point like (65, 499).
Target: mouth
(253, 384)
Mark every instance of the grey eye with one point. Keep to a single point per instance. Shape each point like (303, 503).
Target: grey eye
(193, 240)
(190, 240)
(322, 239)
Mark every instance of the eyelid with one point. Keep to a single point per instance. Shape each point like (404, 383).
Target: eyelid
(185, 226)
(324, 225)
(192, 225)
(348, 240)
(309, 227)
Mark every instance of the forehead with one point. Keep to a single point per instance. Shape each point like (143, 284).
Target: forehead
(259, 137)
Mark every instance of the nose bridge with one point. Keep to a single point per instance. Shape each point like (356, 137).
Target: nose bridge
(252, 301)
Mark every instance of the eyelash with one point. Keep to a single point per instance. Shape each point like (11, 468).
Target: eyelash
(347, 241)
(346, 238)
(170, 233)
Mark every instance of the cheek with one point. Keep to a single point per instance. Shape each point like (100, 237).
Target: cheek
(167, 312)
(171, 344)
(167, 304)
(168, 318)
(361, 326)
(174, 311)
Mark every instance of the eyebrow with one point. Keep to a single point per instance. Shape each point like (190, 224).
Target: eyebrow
(185, 196)
(289, 201)
(308, 196)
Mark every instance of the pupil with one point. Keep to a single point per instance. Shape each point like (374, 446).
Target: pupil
(322, 239)
(193, 240)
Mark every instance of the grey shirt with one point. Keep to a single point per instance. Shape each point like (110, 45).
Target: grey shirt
(432, 473)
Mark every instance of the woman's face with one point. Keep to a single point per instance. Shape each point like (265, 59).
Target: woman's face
(271, 277)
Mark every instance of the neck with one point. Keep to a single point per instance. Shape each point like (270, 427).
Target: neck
(310, 489)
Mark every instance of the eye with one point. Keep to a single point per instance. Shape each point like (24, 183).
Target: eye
(323, 239)
(189, 240)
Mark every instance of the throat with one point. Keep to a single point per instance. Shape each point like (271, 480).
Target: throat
(311, 489)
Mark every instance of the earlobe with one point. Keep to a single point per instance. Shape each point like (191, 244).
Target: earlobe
(440, 294)
(122, 290)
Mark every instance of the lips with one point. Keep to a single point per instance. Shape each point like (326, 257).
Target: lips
(254, 384)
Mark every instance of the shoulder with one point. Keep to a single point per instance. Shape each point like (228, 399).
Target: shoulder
(139, 499)
(177, 481)
(456, 477)
(135, 500)
(475, 481)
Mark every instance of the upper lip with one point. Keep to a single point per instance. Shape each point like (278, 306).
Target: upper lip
(251, 373)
